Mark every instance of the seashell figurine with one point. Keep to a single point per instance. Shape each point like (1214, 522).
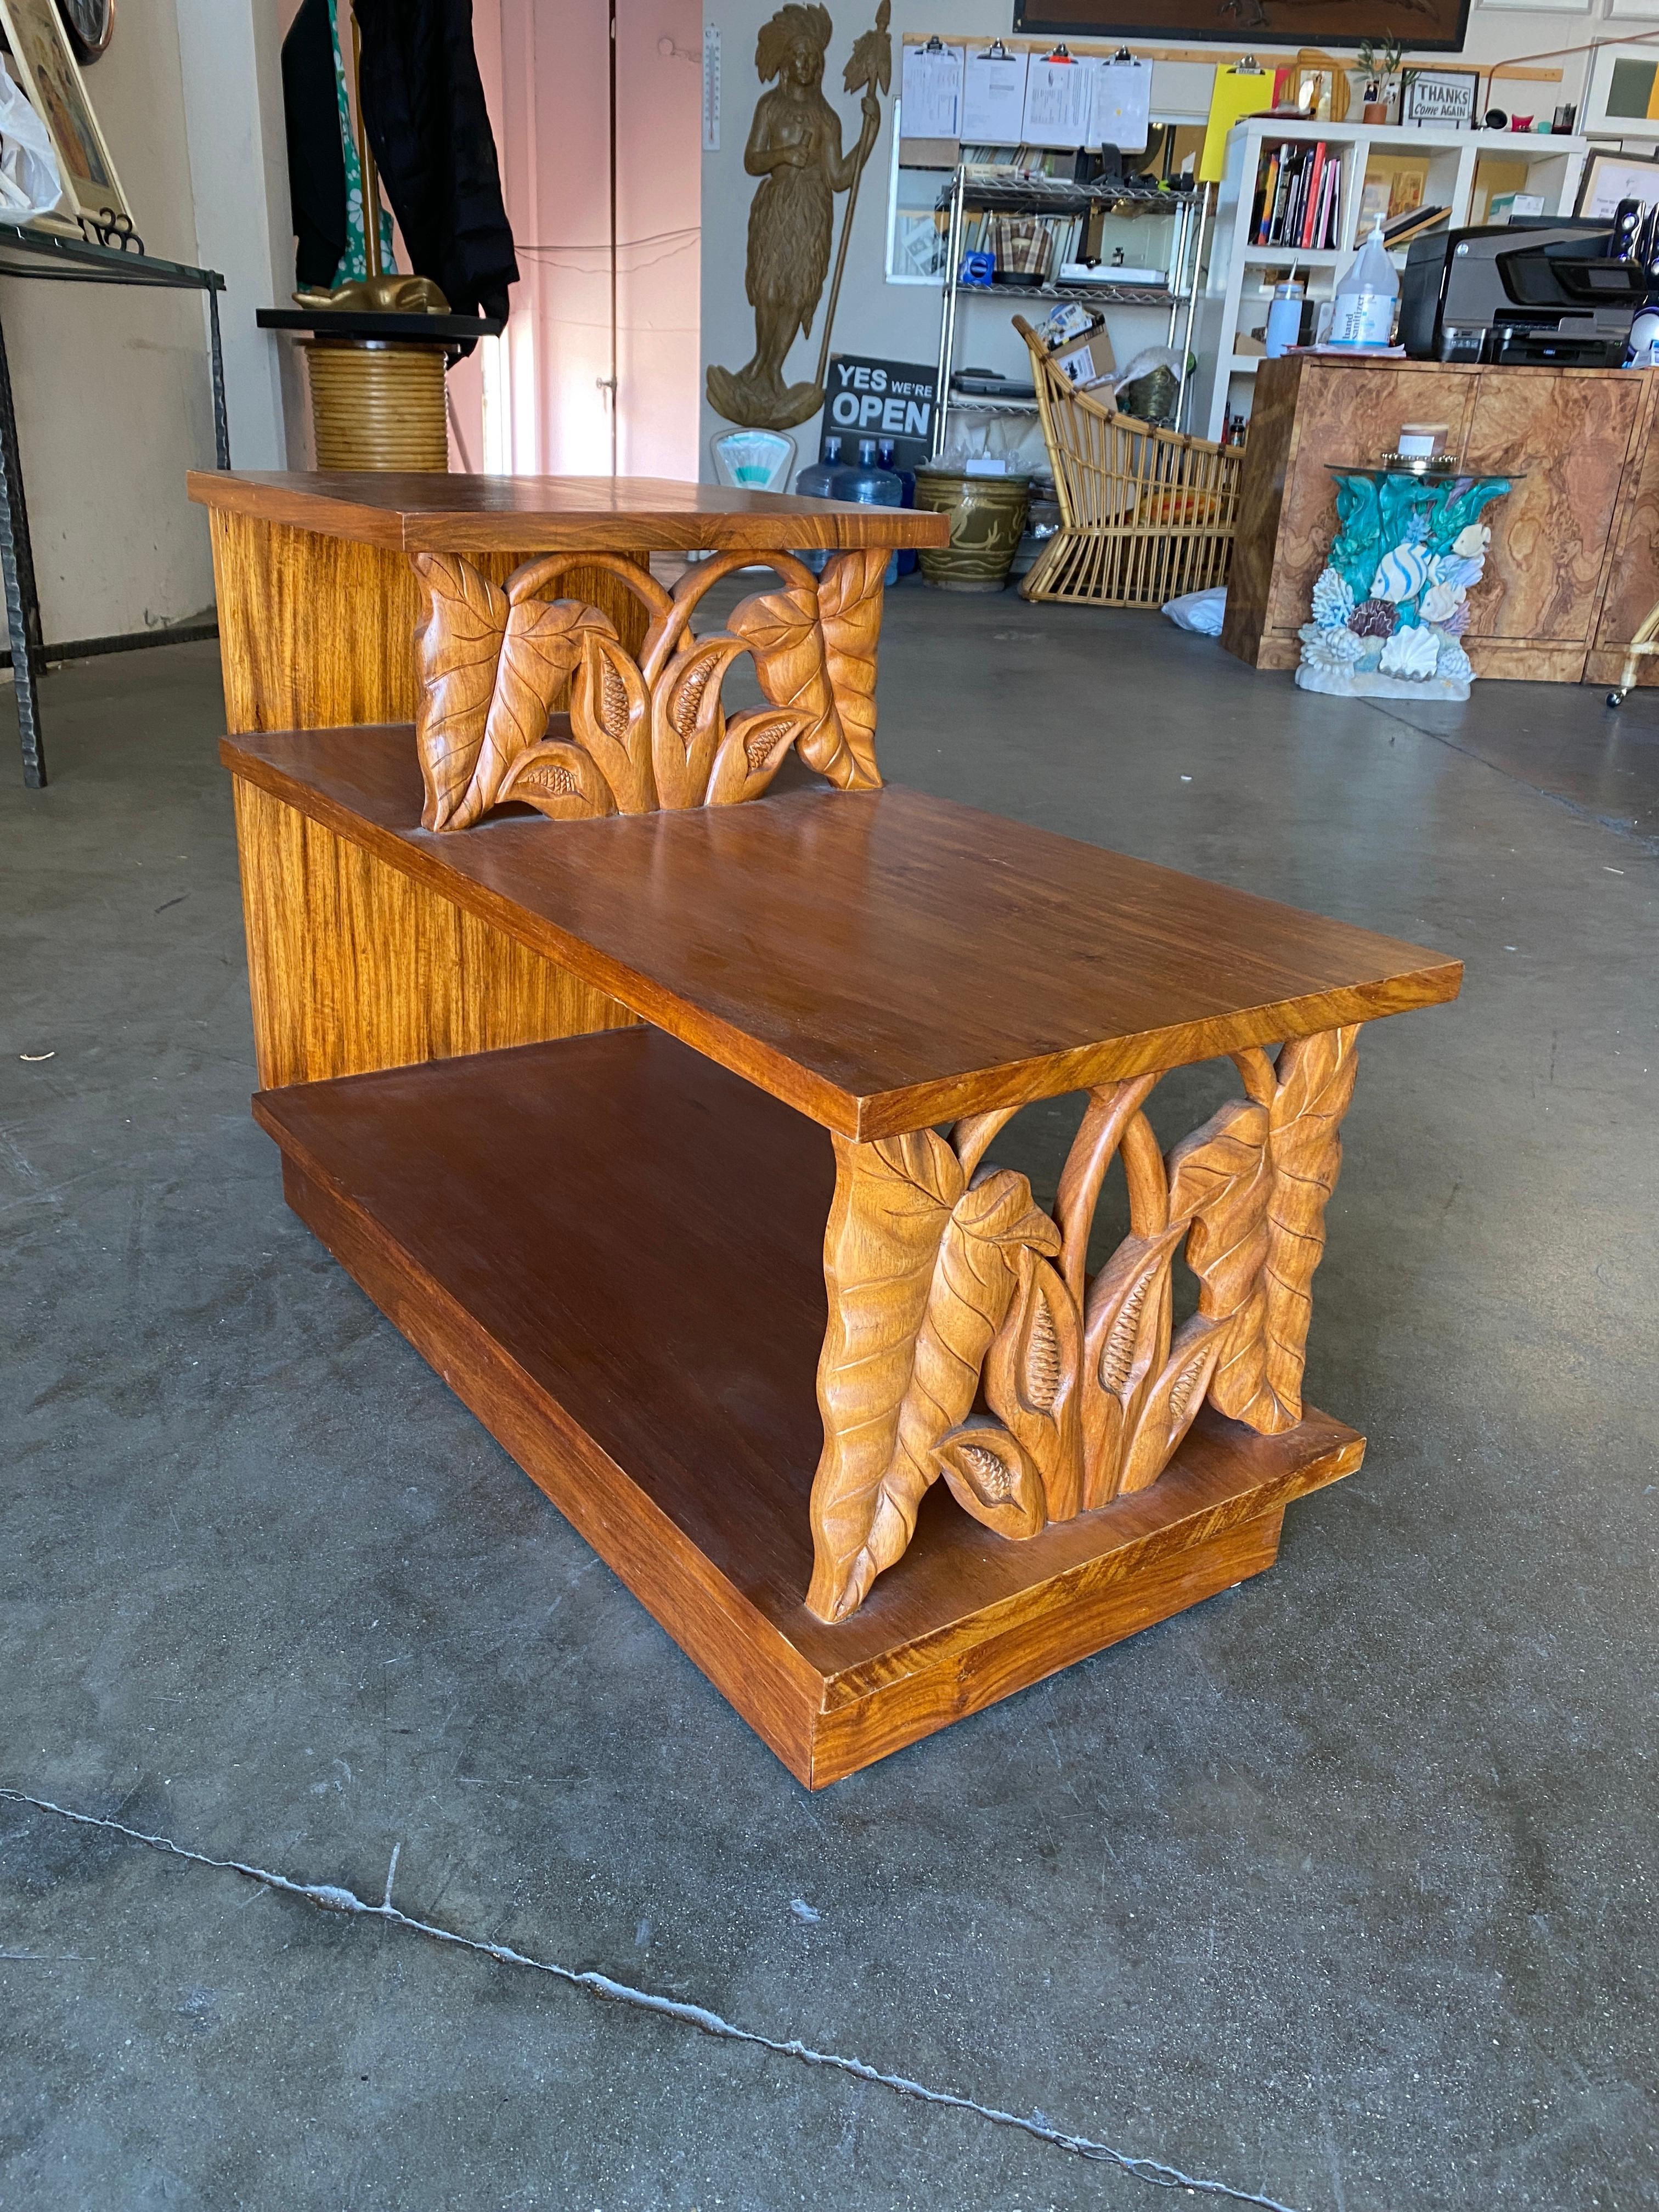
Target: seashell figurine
(1333, 600)
(1414, 651)
(1459, 575)
(1453, 665)
(1401, 575)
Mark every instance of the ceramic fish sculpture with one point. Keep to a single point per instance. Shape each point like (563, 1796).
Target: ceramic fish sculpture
(1401, 575)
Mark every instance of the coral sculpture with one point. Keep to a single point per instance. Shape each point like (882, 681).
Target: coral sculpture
(1392, 605)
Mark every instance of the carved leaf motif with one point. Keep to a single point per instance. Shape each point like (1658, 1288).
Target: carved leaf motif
(849, 613)
(561, 781)
(457, 644)
(542, 645)
(863, 1514)
(1032, 1375)
(610, 719)
(1316, 1084)
(752, 752)
(893, 1200)
(1173, 1401)
(1222, 1176)
(780, 629)
(992, 1479)
(686, 721)
(1125, 1340)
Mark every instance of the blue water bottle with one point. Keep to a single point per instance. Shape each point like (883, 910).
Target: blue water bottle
(886, 452)
(813, 481)
(868, 484)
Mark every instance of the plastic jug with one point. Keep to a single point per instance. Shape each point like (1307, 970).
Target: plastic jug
(886, 453)
(813, 481)
(1366, 298)
(869, 484)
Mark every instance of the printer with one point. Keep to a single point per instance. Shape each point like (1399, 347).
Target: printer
(1537, 289)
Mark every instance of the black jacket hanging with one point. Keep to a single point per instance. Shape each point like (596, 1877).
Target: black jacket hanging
(316, 163)
(424, 107)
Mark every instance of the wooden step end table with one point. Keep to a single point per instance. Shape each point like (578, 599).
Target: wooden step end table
(665, 1128)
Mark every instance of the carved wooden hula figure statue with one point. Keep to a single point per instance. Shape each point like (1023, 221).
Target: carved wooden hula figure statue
(794, 146)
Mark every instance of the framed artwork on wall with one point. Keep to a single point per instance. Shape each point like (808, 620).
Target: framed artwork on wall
(1428, 27)
(1609, 177)
(51, 78)
(1621, 94)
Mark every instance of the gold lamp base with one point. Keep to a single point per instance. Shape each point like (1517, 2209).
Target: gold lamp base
(378, 403)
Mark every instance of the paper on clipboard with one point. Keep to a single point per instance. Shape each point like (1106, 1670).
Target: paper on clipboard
(930, 90)
(1058, 98)
(1122, 105)
(994, 98)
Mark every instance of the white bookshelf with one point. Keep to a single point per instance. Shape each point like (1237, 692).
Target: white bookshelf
(1233, 300)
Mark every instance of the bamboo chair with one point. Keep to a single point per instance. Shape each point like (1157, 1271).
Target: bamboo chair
(1145, 514)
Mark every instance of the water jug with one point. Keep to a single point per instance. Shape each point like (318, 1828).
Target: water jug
(885, 452)
(813, 481)
(866, 482)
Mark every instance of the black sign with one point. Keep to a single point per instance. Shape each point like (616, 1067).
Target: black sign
(866, 399)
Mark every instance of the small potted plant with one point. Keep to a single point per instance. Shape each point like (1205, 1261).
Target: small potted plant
(1381, 67)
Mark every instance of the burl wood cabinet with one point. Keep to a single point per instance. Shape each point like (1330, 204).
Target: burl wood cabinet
(1573, 568)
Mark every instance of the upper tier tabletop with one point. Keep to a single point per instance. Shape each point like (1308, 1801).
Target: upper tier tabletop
(415, 513)
(879, 961)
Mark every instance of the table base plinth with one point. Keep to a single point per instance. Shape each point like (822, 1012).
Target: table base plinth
(610, 1250)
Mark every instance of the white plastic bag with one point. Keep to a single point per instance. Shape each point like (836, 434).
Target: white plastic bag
(1199, 610)
(30, 182)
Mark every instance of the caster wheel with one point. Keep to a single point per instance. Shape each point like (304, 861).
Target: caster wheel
(1615, 698)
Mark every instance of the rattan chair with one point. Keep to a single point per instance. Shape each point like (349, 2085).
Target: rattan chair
(1145, 514)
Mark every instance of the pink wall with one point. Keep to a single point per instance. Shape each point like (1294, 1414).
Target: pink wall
(538, 405)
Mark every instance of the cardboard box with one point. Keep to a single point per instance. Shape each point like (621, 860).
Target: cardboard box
(1087, 361)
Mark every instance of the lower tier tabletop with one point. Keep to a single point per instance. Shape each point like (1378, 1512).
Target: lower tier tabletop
(611, 1251)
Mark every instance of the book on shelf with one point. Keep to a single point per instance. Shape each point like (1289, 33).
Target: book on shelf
(1404, 228)
(1298, 201)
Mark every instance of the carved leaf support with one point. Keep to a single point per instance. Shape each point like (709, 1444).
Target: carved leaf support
(966, 1339)
(652, 733)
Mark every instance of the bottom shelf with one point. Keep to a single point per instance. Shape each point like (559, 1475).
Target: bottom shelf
(610, 1250)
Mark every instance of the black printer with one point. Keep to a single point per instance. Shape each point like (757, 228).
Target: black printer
(1539, 288)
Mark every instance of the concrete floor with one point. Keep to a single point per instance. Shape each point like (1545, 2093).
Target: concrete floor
(1337, 1891)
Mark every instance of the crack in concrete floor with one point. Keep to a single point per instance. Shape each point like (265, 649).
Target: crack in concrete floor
(331, 1897)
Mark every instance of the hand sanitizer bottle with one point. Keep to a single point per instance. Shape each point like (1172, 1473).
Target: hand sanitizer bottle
(1367, 297)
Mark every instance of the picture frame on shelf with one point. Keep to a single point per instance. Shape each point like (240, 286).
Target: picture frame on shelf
(1444, 98)
(1609, 177)
(45, 65)
(1621, 91)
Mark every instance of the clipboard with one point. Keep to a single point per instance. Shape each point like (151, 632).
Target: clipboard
(993, 96)
(1238, 92)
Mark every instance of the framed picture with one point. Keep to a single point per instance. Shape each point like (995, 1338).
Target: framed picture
(1610, 178)
(1621, 94)
(1438, 26)
(1445, 97)
(46, 69)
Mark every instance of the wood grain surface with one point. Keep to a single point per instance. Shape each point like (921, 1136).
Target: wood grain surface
(653, 1373)
(1572, 552)
(318, 631)
(1564, 440)
(879, 960)
(422, 513)
(354, 965)
(1632, 585)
